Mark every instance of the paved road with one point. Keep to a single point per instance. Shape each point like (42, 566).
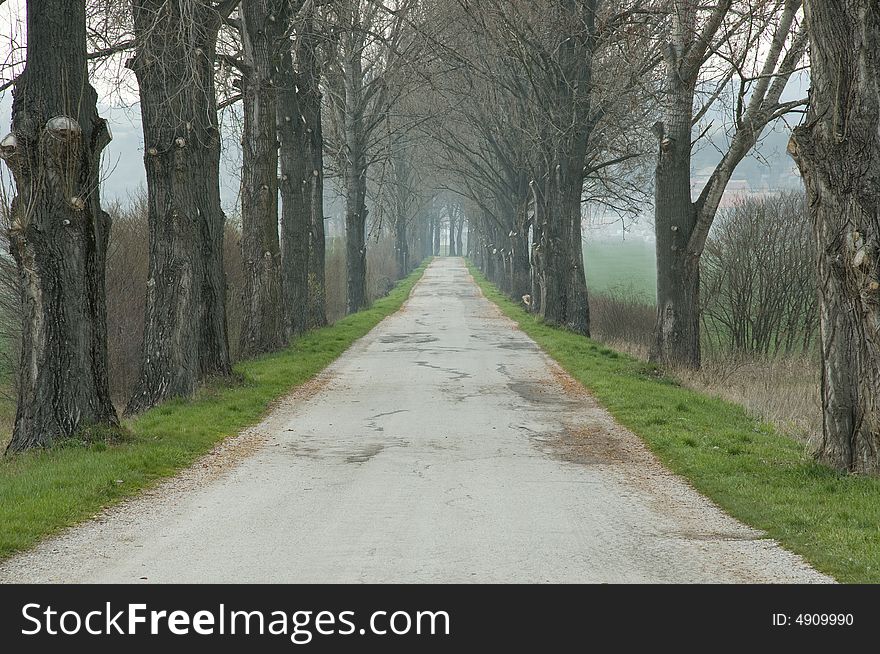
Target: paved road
(444, 446)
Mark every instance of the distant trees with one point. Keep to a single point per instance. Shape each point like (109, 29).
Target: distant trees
(58, 231)
(542, 94)
(838, 152)
(370, 45)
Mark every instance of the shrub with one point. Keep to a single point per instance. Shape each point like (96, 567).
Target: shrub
(759, 290)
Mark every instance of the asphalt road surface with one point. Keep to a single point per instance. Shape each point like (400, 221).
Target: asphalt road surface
(442, 447)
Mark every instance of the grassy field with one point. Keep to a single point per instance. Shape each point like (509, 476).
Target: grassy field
(754, 473)
(44, 491)
(621, 267)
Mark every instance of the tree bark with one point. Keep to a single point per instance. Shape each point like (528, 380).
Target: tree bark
(401, 248)
(564, 299)
(838, 153)
(262, 327)
(677, 330)
(310, 99)
(355, 180)
(185, 336)
(436, 239)
(58, 232)
(451, 251)
(295, 157)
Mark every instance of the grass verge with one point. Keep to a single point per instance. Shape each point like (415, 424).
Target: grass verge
(44, 491)
(757, 475)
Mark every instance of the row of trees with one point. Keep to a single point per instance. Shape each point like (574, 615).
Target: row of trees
(302, 78)
(556, 97)
(521, 111)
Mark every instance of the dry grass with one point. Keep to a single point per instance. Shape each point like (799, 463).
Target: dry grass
(382, 273)
(781, 390)
(622, 316)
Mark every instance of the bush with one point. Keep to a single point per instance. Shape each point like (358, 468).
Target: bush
(759, 290)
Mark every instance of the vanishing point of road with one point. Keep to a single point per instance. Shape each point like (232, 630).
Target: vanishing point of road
(444, 446)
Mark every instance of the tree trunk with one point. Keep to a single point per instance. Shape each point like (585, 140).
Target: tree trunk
(401, 249)
(459, 251)
(355, 180)
(58, 232)
(295, 158)
(677, 329)
(435, 248)
(262, 322)
(451, 251)
(185, 316)
(577, 317)
(838, 153)
(310, 100)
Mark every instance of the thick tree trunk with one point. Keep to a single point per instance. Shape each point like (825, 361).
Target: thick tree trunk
(295, 158)
(58, 232)
(185, 317)
(437, 240)
(459, 249)
(838, 153)
(261, 253)
(563, 296)
(677, 330)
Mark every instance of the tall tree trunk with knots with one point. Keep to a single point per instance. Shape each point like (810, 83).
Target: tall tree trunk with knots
(838, 153)
(310, 96)
(58, 232)
(185, 337)
(262, 29)
(296, 198)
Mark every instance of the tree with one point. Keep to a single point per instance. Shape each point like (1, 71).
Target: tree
(838, 153)
(700, 37)
(185, 338)
(58, 232)
(295, 136)
(311, 99)
(263, 24)
(363, 82)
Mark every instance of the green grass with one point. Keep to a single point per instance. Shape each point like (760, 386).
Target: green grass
(621, 267)
(44, 491)
(754, 473)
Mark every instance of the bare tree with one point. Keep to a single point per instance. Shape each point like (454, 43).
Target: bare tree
(58, 232)
(724, 41)
(838, 153)
(371, 46)
(185, 336)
